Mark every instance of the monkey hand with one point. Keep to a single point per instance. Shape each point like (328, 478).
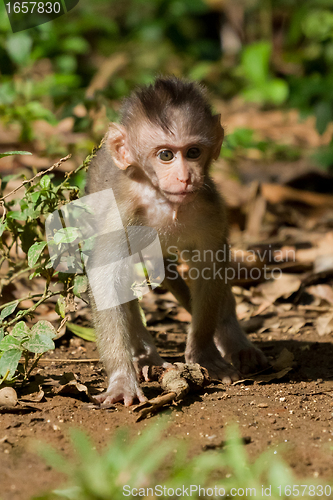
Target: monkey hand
(210, 358)
(122, 387)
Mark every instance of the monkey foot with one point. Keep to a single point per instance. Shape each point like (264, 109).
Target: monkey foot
(211, 359)
(248, 359)
(121, 389)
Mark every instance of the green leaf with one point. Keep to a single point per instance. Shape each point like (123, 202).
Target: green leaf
(60, 307)
(20, 330)
(277, 91)
(82, 331)
(67, 235)
(14, 214)
(35, 251)
(318, 24)
(45, 182)
(44, 327)
(80, 285)
(6, 178)
(143, 316)
(76, 44)
(9, 342)
(255, 61)
(200, 70)
(2, 334)
(256, 94)
(10, 153)
(324, 156)
(19, 47)
(3, 227)
(70, 493)
(9, 361)
(8, 310)
(323, 113)
(39, 343)
(271, 91)
(35, 197)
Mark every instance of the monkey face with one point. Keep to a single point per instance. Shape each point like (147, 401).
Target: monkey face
(175, 158)
(178, 169)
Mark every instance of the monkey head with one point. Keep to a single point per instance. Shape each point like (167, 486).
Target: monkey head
(169, 132)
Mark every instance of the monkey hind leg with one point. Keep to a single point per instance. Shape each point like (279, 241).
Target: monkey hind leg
(233, 343)
(144, 352)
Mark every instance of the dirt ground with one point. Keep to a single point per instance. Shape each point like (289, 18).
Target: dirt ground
(293, 415)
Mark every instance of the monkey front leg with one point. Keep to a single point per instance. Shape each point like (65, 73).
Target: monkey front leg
(207, 295)
(125, 346)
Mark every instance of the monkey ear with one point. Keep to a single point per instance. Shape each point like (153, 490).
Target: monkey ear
(116, 142)
(219, 134)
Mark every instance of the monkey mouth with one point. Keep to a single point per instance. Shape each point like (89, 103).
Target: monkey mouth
(179, 196)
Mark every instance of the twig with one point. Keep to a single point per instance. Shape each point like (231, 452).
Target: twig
(34, 364)
(302, 307)
(154, 405)
(31, 309)
(59, 360)
(28, 297)
(62, 323)
(84, 164)
(7, 281)
(27, 181)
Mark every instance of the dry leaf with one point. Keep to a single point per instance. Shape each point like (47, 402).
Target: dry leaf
(35, 397)
(323, 263)
(284, 286)
(182, 315)
(275, 193)
(71, 385)
(324, 324)
(322, 291)
(284, 360)
(273, 376)
(8, 397)
(107, 68)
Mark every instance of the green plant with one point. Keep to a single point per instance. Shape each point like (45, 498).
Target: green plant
(239, 140)
(261, 87)
(22, 229)
(324, 156)
(311, 31)
(127, 468)
(242, 140)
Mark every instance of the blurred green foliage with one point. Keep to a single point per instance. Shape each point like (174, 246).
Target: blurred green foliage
(285, 56)
(134, 468)
(261, 87)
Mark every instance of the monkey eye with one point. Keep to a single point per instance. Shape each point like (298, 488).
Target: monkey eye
(166, 155)
(193, 153)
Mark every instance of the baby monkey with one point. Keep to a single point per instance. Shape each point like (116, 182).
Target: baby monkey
(157, 164)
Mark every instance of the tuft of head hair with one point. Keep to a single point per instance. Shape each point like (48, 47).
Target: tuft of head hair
(156, 102)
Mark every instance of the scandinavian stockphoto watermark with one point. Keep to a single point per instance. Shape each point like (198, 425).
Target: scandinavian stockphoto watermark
(28, 14)
(227, 264)
(129, 262)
